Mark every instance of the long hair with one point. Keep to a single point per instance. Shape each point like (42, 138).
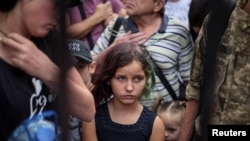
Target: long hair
(117, 57)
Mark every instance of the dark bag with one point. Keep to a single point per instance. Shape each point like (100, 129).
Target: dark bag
(182, 96)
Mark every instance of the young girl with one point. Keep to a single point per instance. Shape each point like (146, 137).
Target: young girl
(172, 114)
(124, 76)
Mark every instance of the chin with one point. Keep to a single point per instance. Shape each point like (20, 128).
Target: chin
(40, 34)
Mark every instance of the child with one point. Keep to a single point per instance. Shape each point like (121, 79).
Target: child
(86, 67)
(172, 114)
(124, 76)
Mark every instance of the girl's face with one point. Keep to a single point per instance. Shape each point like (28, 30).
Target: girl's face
(39, 16)
(172, 123)
(128, 83)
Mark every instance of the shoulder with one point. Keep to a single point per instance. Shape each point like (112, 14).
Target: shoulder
(179, 29)
(158, 132)
(173, 21)
(158, 123)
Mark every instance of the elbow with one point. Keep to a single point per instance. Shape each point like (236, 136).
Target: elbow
(88, 113)
(85, 112)
(89, 116)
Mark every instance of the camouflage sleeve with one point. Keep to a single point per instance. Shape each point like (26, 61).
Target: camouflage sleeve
(193, 88)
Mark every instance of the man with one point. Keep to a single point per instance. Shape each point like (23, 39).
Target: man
(86, 67)
(167, 40)
(230, 100)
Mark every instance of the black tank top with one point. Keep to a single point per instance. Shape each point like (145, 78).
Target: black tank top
(107, 130)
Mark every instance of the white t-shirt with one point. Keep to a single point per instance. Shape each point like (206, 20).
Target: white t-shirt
(178, 9)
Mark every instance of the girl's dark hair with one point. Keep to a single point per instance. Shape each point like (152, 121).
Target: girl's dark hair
(7, 5)
(117, 57)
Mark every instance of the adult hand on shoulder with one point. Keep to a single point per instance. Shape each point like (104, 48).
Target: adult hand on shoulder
(137, 38)
(20, 52)
(103, 11)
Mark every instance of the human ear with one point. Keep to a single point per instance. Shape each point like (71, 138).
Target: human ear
(159, 4)
(92, 67)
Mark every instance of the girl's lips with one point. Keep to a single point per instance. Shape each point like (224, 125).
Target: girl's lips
(128, 96)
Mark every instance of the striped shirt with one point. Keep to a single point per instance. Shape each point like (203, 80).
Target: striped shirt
(171, 47)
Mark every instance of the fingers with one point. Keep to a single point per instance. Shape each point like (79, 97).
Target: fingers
(138, 38)
(10, 43)
(109, 7)
(17, 38)
(104, 10)
(13, 39)
(16, 48)
(129, 37)
(108, 4)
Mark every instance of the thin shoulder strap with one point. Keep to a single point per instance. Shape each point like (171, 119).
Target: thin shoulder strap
(115, 29)
(88, 36)
(164, 81)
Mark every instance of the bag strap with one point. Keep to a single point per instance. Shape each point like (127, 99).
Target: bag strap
(115, 29)
(89, 37)
(164, 81)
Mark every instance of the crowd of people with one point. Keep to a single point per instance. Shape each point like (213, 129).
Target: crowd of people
(114, 69)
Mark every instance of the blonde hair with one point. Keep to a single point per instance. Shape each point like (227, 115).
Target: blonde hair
(174, 107)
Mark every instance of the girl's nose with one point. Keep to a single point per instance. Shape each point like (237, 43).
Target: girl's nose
(129, 86)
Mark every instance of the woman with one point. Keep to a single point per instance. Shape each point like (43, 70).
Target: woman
(28, 74)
